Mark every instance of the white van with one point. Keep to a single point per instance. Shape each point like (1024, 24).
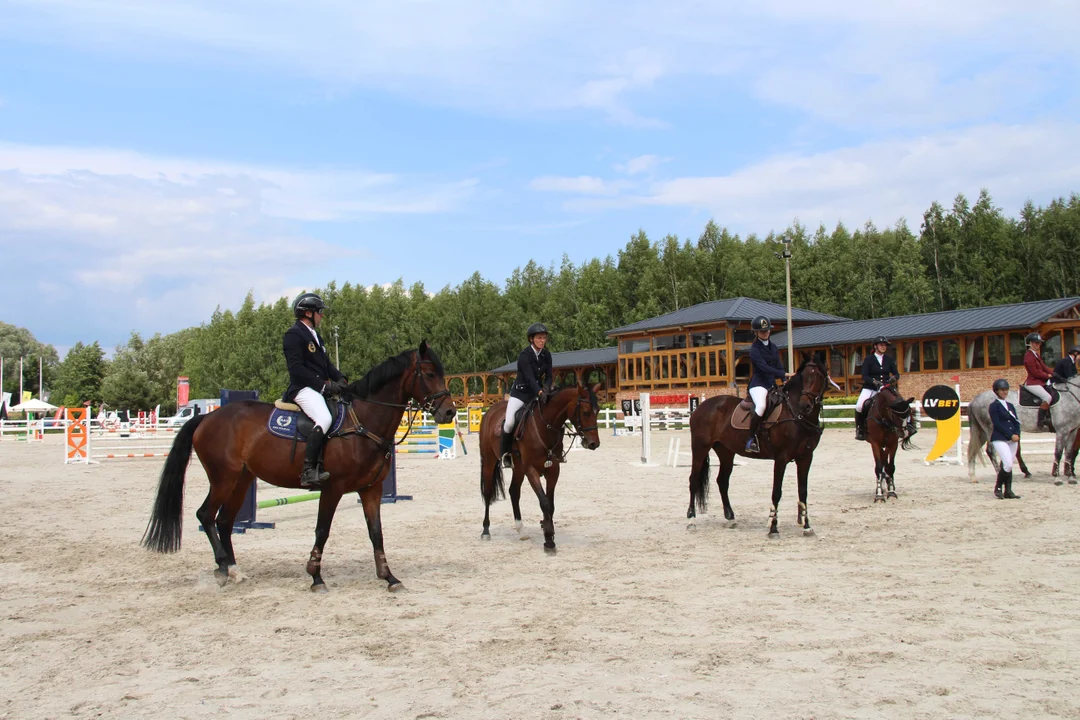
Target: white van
(188, 411)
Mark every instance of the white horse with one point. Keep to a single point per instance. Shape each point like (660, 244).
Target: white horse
(1065, 414)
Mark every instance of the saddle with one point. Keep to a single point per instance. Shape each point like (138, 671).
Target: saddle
(1029, 399)
(519, 427)
(774, 405)
(288, 422)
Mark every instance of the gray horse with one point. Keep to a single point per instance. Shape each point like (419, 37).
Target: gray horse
(1065, 414)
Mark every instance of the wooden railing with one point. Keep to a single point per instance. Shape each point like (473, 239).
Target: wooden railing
(689, 367)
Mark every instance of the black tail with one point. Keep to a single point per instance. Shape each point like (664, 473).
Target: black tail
(699, 485)
(167, 521)
(907, 444)
(497, 491)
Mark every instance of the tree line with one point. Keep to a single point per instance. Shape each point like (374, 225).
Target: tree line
(966, 255)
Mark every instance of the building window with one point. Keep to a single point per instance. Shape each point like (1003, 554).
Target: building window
(634, 346)
(1016, 349)
(1051, 349)
(836, 363)
(975, 357)
(669, 342)
(912, 358)
(930, 355)
(950, 354)
(856, 362)
(743, 336)
(711, 337)
(995, 350)
(1072, 337)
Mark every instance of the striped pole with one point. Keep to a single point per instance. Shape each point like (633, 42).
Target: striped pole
(262, 504)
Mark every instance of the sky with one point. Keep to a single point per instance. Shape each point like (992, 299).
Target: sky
(161, 159)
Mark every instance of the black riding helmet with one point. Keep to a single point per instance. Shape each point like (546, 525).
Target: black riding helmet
(1001, 384)
(1074, 350)
(882, 339)
(1033, 337)
(760, 323)
(536, 329)
(308, 302)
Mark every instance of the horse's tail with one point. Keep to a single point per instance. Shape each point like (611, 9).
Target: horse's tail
(906, 443)
(978, 435)
(167, 521)
(496, 490)
(699, 485)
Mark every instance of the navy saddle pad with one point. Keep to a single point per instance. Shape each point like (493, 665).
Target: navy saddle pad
(286, 423)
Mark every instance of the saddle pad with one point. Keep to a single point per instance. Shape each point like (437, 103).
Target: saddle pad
(283, 424)
(1029, 399)
(740, 416)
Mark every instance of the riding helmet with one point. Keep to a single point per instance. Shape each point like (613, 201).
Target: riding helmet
(1074, 350)
(1033, 337)
(306, 302)
(760, 323)
(536, 329)
(882, 339)
(1001, 384)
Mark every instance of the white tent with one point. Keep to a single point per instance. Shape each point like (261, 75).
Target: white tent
(33, 405)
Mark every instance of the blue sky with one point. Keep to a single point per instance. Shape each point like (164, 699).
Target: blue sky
(160, 159)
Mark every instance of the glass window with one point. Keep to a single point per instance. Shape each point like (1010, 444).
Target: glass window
(975, 356)
(950, 354)
(1072, 337)
(930, 355)
(836, 363)
(912, 357)
(1051, 349)
(855, 362)
(669, 342)
(1016, 348)
(995, 350)
(710, 337)
(634, 346)
(743, 336)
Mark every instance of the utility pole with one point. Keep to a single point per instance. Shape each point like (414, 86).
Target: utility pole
(786, 239)
(337, 358)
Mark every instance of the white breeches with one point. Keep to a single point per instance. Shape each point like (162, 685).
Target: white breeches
(1006, 452)
(759, 395)
(865, 395)
(314, 406)
(512, 406)
(1039, 391)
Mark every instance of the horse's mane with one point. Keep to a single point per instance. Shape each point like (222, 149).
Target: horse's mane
(388, 370)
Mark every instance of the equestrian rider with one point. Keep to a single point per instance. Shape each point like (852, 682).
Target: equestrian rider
(1066, 366)
(768, 368)
(1038, 374)
(1005, 438)
(878, 369)
(534, 380)
(311, 378)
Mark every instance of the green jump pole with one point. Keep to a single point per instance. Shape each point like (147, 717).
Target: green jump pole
(262, 504)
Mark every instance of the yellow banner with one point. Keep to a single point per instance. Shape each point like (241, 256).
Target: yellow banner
(948, 432)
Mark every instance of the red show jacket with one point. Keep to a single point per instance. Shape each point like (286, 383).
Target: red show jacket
(1038, 372)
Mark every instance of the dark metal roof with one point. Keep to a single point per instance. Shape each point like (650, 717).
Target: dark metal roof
(740, 309)
(951, 322)
(574, 358)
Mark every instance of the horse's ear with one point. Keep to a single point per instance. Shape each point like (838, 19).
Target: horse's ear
(910, 400)
(423, 348)
(805, 357)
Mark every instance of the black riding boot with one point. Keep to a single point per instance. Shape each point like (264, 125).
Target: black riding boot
(506, 442)
(1044, 419)
(1008, 495)
(999, 487)
(860, 425)
(312, 476)
(752, 442)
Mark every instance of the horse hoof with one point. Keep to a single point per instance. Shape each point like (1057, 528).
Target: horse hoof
(774, 535)
(549, 550)
(1072, 481)
(319, 588)
(395, 587)
(731, 523)
(222, 577)
(691, 526)
(1059, 482)
(893, 495)
(485, 536)
(236, 575)
(1027, 475)
(808, 532)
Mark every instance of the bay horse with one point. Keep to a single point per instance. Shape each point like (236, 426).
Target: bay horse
(537, 451)
(234, 447)
(885, 420)
(790, 431)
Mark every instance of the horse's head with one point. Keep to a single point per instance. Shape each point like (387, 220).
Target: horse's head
(584, 414)
(809, 382)
(895, 405)
(424, 381)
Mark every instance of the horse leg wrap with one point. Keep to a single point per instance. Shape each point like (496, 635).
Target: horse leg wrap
(314, 563)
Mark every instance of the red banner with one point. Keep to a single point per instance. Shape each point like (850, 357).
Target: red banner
(181, 392)
(669, 399)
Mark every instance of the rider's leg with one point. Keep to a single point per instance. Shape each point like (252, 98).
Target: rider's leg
(860, 412)
(760, 396)
(314, 406)
(506, 442)
(1004, 452)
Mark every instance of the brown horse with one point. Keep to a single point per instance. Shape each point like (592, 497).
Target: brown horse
(885, 419)
(234, 447)
(537, 451)
(789, 432)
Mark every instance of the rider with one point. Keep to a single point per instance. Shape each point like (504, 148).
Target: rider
(1038, 374)
(1005, 438)
(878, 369)
(1066, 366)
(311, 377)
(534, 380)
(768, 368)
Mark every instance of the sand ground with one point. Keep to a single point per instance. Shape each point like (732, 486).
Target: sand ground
(944, 603)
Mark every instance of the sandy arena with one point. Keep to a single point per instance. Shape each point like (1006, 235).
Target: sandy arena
(945, 603)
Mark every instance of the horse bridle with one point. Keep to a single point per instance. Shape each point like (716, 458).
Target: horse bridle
(888, 409)
(817, 400)
(576, 431)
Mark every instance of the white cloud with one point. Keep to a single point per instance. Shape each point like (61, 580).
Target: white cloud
(844, 60)
(640, 164)
(584, 185)
(881, 181)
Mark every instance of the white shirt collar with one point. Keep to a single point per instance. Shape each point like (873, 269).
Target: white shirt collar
(535, 351)
(879, 357)
(313, 333)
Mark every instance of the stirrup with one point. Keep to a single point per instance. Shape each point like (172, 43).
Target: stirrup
(752, 445)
